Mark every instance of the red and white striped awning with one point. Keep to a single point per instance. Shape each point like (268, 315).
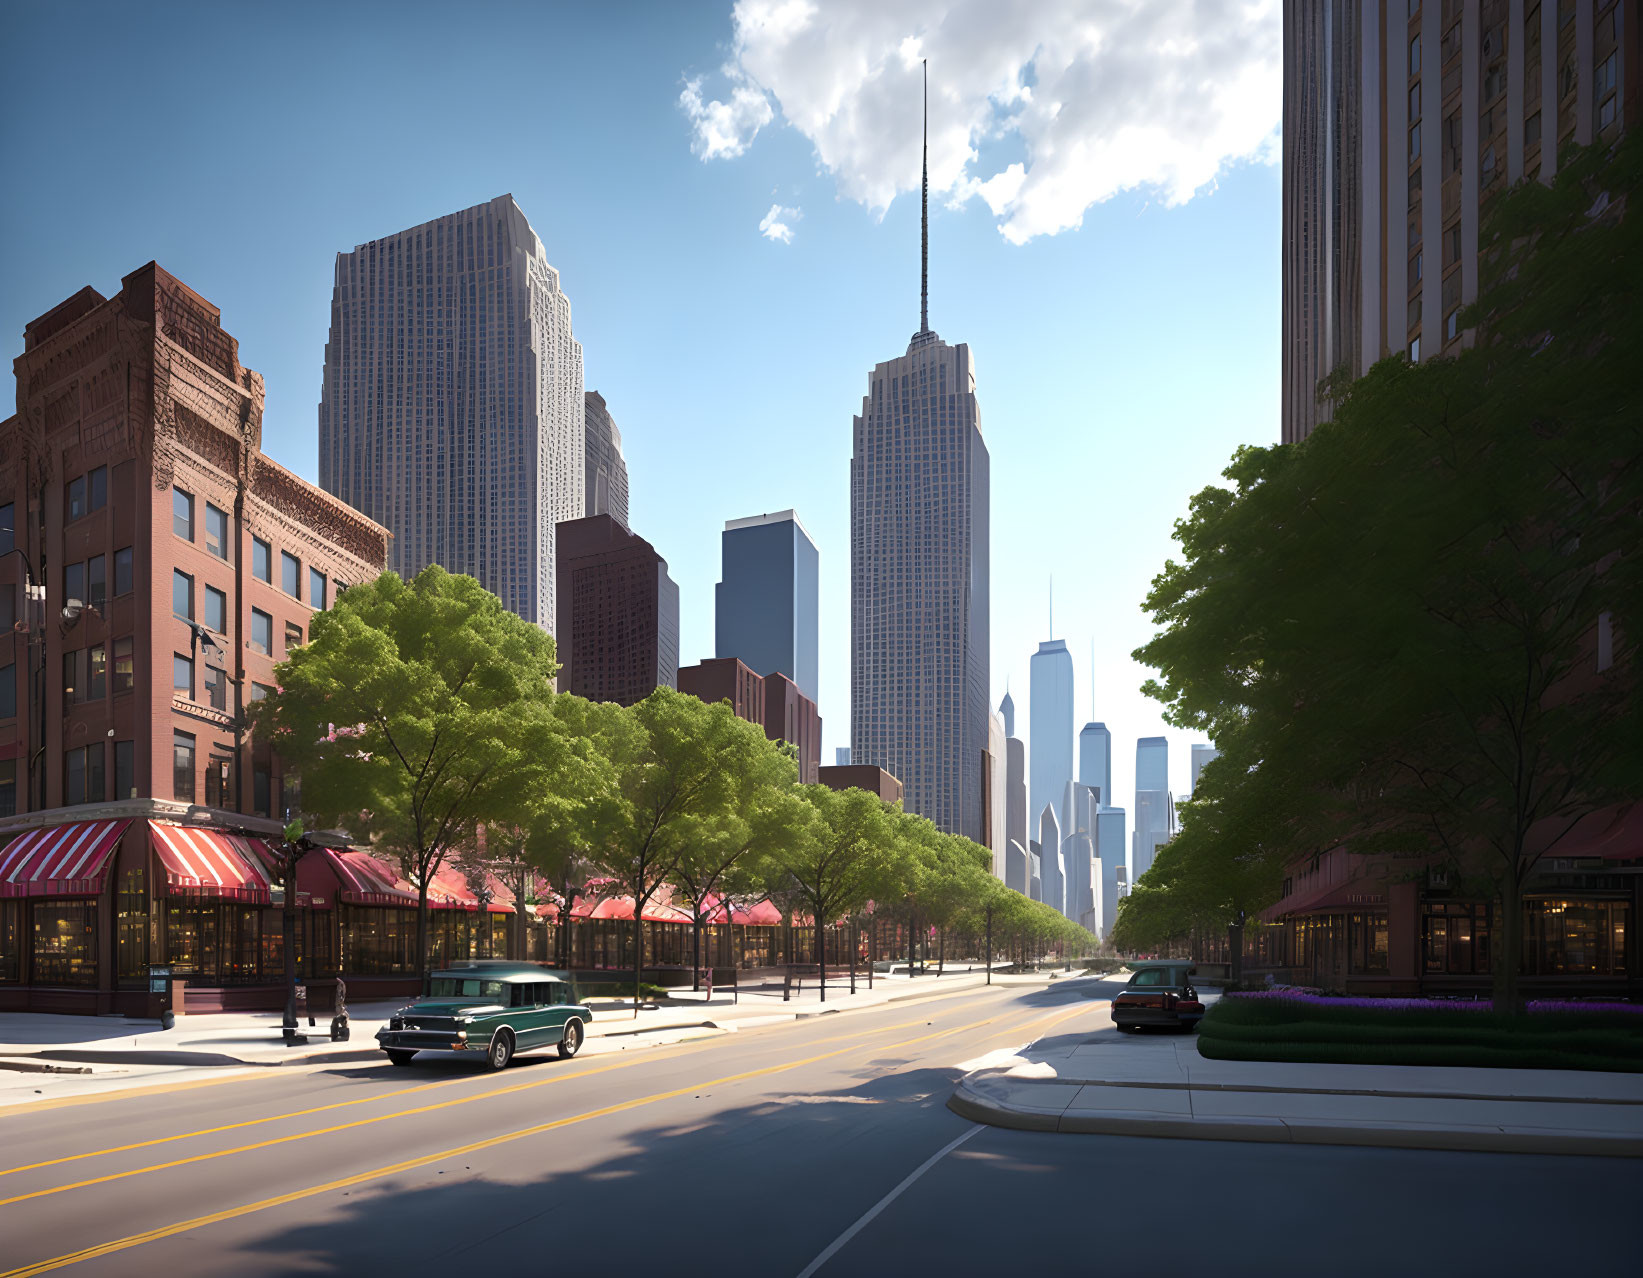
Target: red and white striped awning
(364, 880)
(60, 860)
(202, 862)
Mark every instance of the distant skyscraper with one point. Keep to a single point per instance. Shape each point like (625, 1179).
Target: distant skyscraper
(1112, 847)
(451, 409)
(1006, 708)
(605, 467)
(1078, 851)
(1050, 759)
(998, 791)
(618, 625)
(919, 579)
(1095, 760)
(1201, 754)
(1015, 791)
(1049, 853)
(841, 756)
(767, 607)
(1154, 806)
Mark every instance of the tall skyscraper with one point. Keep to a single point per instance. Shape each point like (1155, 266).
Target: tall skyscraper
(618, 624)
(1095, 760)
(1112, 849)
(1078, 852)
(1053, 882)
(767, 608)
(1154, 806)
(1402, 122)
(1006, 709)
(451, 410)
(919, 577)
(997, 788)
(1050, 756)
(1201, 754)
(605, 469)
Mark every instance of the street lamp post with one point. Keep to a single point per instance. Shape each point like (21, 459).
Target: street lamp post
(872, 942)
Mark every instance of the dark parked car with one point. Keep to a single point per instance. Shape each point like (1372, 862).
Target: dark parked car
(1159, 993)
(494, 1007)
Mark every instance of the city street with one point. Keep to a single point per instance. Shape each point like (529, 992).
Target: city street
(761, 1152)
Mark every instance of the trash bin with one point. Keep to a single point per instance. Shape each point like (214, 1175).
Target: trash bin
(160, 993)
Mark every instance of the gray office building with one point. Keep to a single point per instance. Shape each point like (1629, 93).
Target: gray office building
(1095, 760)
(605, 469)
(451, 410)
(767, 608)
(919, 580)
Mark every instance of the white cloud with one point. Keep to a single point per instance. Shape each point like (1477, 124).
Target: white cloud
(776, 224)
(1099, 96)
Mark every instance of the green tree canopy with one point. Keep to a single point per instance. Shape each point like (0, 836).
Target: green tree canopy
(416, 711)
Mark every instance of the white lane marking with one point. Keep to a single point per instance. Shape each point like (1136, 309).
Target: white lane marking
(884, 1202)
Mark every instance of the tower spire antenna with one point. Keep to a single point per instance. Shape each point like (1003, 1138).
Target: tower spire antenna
(924, 221)
(1052, 606)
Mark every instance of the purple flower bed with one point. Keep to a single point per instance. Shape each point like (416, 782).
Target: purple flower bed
(1311, 998)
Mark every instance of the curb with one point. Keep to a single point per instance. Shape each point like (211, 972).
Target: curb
(41, 1067)
(1499, 1140)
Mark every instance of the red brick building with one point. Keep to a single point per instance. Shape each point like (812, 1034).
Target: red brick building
(173, 565)
(773, 701)
(862, 776)
(617, 613)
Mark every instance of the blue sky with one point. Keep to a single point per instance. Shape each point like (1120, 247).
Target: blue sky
(1120, 361)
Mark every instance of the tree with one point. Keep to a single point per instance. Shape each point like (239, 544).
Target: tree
(835, 858)
(1391, 626)
(416, 711)
(756, 809)
(663, 789)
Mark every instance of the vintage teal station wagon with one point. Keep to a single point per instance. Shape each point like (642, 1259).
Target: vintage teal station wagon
(490, 1006)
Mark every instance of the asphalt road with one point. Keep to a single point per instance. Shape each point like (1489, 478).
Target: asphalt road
(762, 1153)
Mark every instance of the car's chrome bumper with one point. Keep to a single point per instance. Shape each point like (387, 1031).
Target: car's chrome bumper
(421, 1041)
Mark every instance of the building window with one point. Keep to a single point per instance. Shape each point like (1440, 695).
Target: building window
(182, 676)
(1451, 325)
(131, 925)
(8, 690)
(74, 582)
(1415, 270)
(316, 588)
(262, 632)
(182, 595)
(290, 574)
(74, 499)
(1414, 143)
(122, 572)
(262, 560)
(1415, 101)
(219, 782)
(293, 637)
(8, 527)
(261, 795)
(8, 790)
(1451, 244)
(96, 672)
(1415, 349)
(261, 692)
(182, 514)
(125, 769)
(97, 581)
(124, 665)
(216, 688)
(83, 775)
(65, 942)
(216, 610)
(1415, 56)
(72, 683)
(216, 531)
(182, 766)
(97, 488)
(1414, 186)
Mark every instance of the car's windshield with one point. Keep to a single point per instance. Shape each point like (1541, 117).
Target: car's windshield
(1152, 976)
(464, 987)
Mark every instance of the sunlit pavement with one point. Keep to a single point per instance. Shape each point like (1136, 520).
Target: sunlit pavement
(755, 1153)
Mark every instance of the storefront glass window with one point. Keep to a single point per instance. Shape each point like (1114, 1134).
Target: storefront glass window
(1575, 937)
(131, 926)
(65, 943)
(11, 941)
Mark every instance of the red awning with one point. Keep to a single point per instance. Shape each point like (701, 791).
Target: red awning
(621, 907)
(60, 860)
(366, 880)
(763, 914)
(1614, 834)
(204, 862)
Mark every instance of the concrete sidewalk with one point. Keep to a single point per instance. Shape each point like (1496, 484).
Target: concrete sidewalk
(41, 1053)
(1156, 1084)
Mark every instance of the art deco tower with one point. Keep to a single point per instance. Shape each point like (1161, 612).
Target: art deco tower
(452, 406)
(919, 576)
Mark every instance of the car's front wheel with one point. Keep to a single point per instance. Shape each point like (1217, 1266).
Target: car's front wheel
(400, 1057)
(571, 1043)
(501, 1051)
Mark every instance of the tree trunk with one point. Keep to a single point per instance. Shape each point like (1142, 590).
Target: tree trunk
(821, 954)
(1508, 937)
(941, 954)
(989, 946)
(638, 953)
(1235, 947)
(422, 930)
(696, 948)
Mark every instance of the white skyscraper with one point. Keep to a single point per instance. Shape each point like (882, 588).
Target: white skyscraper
(452, 407)
(1078, 854)
(605, 468)
(1050, 756)
(1201, 754)
(1112, 847)
(1053, 883)
(998, 792)
(1154, 805)
(919, 579)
